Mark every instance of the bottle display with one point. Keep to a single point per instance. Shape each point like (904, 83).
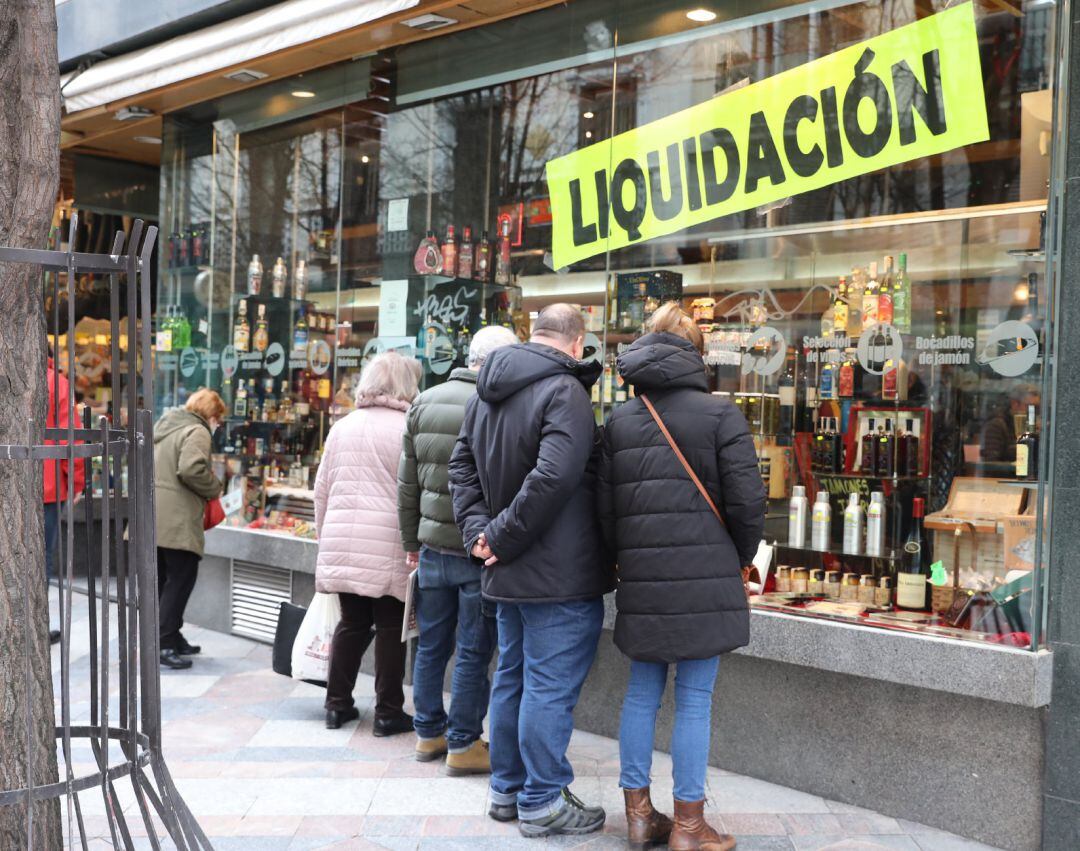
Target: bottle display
(854, 519)
(241, 328)
(901, 299)
(450, 254)
(428, 258)
(913, 575)
(279, 279)
(821, 523)
(261, 338)
(483, 258)
(465, 255)
(300, 280)
(254, 275)
(875, 524)
(798, 513)
(1027, 450)
(503, 271)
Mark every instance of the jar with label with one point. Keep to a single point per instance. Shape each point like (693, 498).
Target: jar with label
(832, 584)
(849, 587)
(883, 593)
(817, 581)
(800, 580)
(867, 589)
(783, 579)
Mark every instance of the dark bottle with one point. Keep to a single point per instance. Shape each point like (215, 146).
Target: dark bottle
(913, 574)
(1027, 450)
(817, 451)
(886, 451)
(868, 463)
(909, 462)
(836, 448)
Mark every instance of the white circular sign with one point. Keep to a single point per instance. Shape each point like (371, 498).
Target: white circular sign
(593, 349)
(275, 359)
(443, 355)
(1011, 349)
(230, 360)
(189, 362)
(765, 352)
(878, 345)
(318, 354)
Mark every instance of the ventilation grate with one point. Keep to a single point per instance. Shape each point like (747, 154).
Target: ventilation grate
(257, 594)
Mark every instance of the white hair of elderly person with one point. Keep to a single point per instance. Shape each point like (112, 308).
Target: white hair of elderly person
(389, 376)
(486, 341)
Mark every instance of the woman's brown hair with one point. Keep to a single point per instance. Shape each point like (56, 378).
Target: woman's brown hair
(670, 318)
(207, 404)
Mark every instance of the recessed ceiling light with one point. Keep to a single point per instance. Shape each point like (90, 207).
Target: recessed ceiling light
(365, 159)
(303, 93)
(586, 115)
(245, 75)
(148, 140)
(701, 16)
(588, 134)
(429, 22)
(133, 113)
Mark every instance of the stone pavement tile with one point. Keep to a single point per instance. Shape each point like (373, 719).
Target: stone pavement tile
(216, 797)
(302, 689)
(221, 729)
(763, 843)
(312, 733)
(314, 843)
(807, 824)
(359, 768)
(267, 770)
(282, 754)
(350, 844)
(396, 843)
(273, 825)
(868, 823)
(456, 826)
(748, 795)
(195, 768)
(219, 644)
(404, 825)
(837, 807)
(256, 686)
(407, 766)
(338, 827)
(189, 685)
(441, 796)
(853, 843)
(308, 797)
(290, 709)
(936, 840)
(751, 824)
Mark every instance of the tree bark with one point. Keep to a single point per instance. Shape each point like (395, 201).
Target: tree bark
(29, 168)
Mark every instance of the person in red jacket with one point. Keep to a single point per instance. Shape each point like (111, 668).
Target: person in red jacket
(56, 486)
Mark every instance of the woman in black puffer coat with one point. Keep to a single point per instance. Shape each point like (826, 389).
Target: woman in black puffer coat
(680, 595)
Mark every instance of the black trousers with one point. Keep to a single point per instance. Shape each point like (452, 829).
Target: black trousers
(177, 571)
(358, 615)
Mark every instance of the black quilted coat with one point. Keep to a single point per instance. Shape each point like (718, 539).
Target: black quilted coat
(680, 592)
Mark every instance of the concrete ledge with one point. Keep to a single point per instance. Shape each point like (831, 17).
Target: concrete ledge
(267, 548)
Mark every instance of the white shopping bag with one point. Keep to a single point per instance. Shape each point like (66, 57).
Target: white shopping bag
(311, 650)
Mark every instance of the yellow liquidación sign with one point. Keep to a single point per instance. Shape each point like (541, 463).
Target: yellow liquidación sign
(910, 93)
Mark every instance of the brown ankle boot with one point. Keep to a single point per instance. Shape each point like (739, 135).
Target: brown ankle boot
(645, 826)
(692, 833)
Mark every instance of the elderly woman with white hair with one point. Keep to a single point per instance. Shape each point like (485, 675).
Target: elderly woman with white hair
(360, 554)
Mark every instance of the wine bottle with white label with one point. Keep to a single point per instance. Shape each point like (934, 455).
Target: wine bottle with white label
(913, 575)
(1027, 450)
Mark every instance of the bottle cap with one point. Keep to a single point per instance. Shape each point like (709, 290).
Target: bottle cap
(918, 507)
(822, 496)
(877, 496)
(798, 490)
(853, 500)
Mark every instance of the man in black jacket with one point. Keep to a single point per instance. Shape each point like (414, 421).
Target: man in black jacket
(522, 478)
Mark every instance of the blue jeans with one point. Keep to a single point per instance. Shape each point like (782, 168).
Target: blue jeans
(449, 601)
(694, 681)
(52, 529)
(545, 652)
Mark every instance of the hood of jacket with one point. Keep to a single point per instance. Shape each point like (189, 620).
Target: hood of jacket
(663, 362)
(512, 368)
(176, 420)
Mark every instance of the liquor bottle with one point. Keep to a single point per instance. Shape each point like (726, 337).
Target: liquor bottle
(875, 525)
(868, 462)
(870, 299)
(184, 252)
(270, 403)
(913, 576)
(483, 258)
(878, 349)
(261, 338)
(828, 382)
(198, 257)
(909, 462)
(886, 451)
(901, 299)
(890, 380)
(466, 255)
(1027, 450)
(254, 275)
(279, 279)
(885, 293)
(300, 280)
(856, 286)
(828, 321)
(798, 511)
(836, 448)
(817, 449)
(847, 380)
(241, 328)
(840, 308)
(821, 523)
(240, 403)
(503, 271)
(428, 259)
(786, 424)
(854, 518)
(450, 254)
(300, 333)
(181, 337)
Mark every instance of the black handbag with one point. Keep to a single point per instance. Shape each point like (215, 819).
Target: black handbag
(288, 624)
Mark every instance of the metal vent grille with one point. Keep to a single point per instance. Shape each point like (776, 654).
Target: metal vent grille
(257, 594)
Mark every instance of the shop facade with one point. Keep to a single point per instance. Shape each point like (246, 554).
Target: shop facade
(861, 203)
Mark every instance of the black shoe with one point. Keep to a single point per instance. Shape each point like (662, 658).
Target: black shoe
(185, 649)
(54, 636)
(573, 819)
(336, 717)
(503, 812)
(171, 659)
(394, 725)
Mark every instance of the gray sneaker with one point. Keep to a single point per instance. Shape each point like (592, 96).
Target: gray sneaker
(573, 819)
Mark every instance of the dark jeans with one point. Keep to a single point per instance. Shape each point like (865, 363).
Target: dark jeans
(449, 603)
(52, 531)
(177, 572)
(545, 652)
(358, 614)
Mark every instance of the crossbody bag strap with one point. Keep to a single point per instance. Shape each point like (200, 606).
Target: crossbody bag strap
(682, 459)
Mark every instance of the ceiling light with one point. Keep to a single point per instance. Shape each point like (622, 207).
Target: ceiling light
(586, 115)
(701, 16)
(429, 22)
(131, 113)
(1021, 292)
(365, 159)
(245, 75)
(148, 140)
(303, 93)
(588, 134)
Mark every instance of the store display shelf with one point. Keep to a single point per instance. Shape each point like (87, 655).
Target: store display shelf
(240, 421)
(266, 298)
(1035, 255)
(889, 555)
(1018, 483)
(872, 476)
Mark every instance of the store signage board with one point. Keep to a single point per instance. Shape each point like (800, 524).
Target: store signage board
(907, 94)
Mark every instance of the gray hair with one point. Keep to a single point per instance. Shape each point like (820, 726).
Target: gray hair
(390, 375)
(488, 340)
(561, 321)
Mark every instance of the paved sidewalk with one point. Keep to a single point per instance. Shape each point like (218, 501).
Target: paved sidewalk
(252, 758)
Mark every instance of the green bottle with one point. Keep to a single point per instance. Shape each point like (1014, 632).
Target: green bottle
(901, 300)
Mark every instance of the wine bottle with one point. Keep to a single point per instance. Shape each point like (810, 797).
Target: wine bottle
(913, 574)
(886, 451)
(836, 448)
(450, 254)
(465, 255)
(909, 460)
(483, 258)
(868, 462)
(901, 298)
(870, 299)
(840, 308)
(885, 293)
(1027, 450)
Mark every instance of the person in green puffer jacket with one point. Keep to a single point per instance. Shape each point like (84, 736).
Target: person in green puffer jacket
(449, 598)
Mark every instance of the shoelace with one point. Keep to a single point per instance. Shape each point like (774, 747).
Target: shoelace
(572, 799)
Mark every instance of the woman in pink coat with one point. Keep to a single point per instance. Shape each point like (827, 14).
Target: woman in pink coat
(360, 554)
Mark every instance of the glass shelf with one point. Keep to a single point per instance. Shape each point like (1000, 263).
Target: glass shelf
(889, 555)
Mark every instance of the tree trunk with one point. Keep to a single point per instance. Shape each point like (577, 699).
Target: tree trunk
(29, 165)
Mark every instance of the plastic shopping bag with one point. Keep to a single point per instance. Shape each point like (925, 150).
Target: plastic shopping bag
(311, 650)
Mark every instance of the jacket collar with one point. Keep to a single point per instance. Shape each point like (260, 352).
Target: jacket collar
(464, 374)
(381, 401)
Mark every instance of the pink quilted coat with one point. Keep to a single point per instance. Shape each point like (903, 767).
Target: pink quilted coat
(356, 504)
